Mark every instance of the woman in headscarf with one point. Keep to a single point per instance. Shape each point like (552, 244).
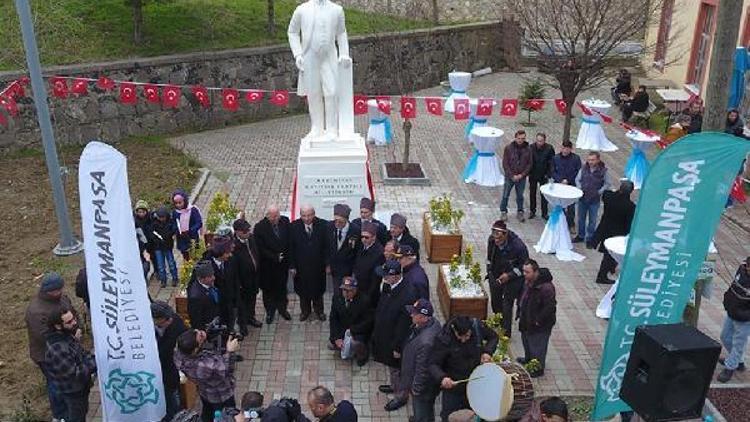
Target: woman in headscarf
(735, 126)
(189, 222)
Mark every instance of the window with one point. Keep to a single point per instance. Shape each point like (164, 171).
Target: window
(662, 39)
(704, 30)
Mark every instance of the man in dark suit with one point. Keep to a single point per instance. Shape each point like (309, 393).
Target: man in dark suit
(203, 296)
(351, 311)
(369, 257)
(342, 243)
(272, 238)
(366, 212)
(308, 259)
(245, 265)
(400, 233)
(225, 279)
(616, 220)
(168, 326)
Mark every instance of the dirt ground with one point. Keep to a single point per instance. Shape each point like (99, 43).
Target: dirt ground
(29, 232)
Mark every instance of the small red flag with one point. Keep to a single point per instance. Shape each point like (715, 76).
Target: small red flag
(360, 104)
(408, 107)
(80, 87)
(151, 92)
(461, 109)
(59, 87)
(434, 106)
(201, 95)
(24, 81)
(384, 104)
(280, 98)
(509, 107)
(15, 89)
(230, 99)
(10, 105)
(561, 106)
(484, 107)
(626, 126)
(254, 96)
(128, 93)
(535, 105)
(585, 110)
(605, 118)
(171, 96)
(104, 83)
(738, 192)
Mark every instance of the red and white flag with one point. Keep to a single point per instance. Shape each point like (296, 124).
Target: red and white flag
(128, 93)
(80, 87)
(384, 104)
(509, 107)
(738, 191)
(171, 96)
(484, 107)
(408, 107)
(561, 106)
(434, 106)
(254, 96)
(151, 92)
(585, 110)
(461, 109)
(105, 84)
(10, 105)
(201, 95)
(280, 98)
(230, 99)
(360, 105)
(59, 87)
(535, 104)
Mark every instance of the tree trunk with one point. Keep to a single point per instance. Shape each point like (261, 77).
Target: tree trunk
(435, 12)
(722, 57)
(407, 142)
(137, 21)
(271, 18)
(568, 118)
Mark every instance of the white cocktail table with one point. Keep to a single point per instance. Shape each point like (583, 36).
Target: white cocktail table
(556, 237)
(380, 130)
(483, 167)
(459, 84)
(637, 166)
(616, 246)
(591, 134)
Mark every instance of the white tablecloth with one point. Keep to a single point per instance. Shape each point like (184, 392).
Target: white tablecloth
(556, 237)
(483, 167)
(591, 134)
(616, 247)
(380, 131)
(459, 84)
(637, 166)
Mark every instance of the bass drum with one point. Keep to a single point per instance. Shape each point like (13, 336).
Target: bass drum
(523, 390)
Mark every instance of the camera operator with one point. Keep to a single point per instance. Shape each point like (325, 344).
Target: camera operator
(210, 369)
(168, 326)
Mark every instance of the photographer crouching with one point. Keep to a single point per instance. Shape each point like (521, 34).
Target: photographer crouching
(210, 368)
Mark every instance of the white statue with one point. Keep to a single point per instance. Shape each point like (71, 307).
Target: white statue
(315, 29)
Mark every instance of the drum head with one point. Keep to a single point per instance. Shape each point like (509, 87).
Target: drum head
(490, 392)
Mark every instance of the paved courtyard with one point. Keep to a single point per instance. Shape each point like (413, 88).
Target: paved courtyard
(255, 163)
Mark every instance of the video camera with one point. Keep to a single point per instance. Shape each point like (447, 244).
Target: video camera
(216, 330)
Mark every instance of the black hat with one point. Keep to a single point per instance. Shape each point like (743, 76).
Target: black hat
(241, 225)
(391, 267)
(342, 210)
(203, 269)
(161, 310)
(406, 250)
(367, 203)
(421, 306)
(221, 245)
(398, 220)
(499, 225)
(370, 227)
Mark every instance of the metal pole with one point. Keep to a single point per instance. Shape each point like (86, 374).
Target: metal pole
(68, 245)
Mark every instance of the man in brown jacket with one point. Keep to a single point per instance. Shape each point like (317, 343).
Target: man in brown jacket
(49, 299)
(517, 163)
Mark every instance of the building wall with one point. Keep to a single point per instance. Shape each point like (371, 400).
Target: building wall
(448, 10)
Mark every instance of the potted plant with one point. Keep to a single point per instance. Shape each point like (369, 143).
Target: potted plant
(442, 233)
(220, 215)
(460, 288)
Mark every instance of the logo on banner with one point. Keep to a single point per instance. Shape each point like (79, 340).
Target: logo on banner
(612, 382)
(131, 391)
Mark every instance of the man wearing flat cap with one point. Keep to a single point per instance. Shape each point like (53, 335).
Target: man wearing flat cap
(308, 258)
(414, 274)
(415, 363)
(353, 317)
(400, 233)
(367, 215)
(369, 258)
(225, 278)
(506, 254)
(245, 264)
(343, 243)
(203, 297)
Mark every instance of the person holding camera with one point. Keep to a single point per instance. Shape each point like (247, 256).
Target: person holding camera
(211, 370)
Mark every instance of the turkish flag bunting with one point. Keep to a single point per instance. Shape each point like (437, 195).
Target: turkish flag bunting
(230, 99)
(80, 87)
(561, 106)
(626, 126)
(254, 96)
(280, 98)
(434, 106)
(461, 109)
(128, 93)
(15, 89)
(104, 83)
(360, 104)
(171, 96)
(738, 192)
(24, 81)
(605, 118)
(151, 92)
(587, 111)
(535, 105)
(384, 104)
(509, 107)
(59, 87)
(484, 107)
(408, 107)
(201, 95)
(10, 105)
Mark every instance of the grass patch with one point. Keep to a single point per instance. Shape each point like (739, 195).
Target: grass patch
(77, 31)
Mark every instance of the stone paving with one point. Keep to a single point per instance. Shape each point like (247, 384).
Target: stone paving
(255, 163)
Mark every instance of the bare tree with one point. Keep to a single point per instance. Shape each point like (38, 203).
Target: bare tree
(578, 42)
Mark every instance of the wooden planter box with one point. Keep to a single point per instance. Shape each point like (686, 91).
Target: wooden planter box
(440, 247)
(475, 307)
(181, 307)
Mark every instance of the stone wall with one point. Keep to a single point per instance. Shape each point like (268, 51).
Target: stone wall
(448, 10)
(384, 64)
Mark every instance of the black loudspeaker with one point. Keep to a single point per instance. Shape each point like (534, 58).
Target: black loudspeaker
(669, 372)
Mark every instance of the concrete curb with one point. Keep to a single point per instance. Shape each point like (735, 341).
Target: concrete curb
(198, 188)
(710, 409)
(413, 181)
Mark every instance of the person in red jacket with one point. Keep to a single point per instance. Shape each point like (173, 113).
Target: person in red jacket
(536, 317)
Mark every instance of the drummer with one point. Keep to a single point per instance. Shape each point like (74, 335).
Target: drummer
(463, 344)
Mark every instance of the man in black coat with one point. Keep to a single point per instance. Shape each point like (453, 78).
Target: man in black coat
(369, 258)
(272, 238)
(392, 326)
(225, 279)
(366, 214)
(400, 233)
(413, 272)
(506, 254)
(616, 220)
(168, 326)
(542, 155)
(203, 296)
(245, 265)
(342, 244)
(308, 259)
(536, 314)
(351, 311)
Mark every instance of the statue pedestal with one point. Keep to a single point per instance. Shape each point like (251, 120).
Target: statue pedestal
(329, 173)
